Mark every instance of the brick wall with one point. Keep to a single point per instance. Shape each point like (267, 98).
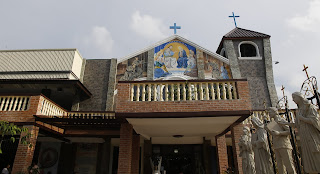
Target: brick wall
(222, 154)
(125, 149)
(124, 105)
(135, 154)
(236, 132)
(24, 154)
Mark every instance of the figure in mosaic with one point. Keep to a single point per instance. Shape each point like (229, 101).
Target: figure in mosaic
(169, 60)
(182, 58)
(281, 142)
(246, 152)
(308, 124)
(262, 157)
(133, 71)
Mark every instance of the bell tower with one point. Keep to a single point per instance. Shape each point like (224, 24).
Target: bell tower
(249, 53)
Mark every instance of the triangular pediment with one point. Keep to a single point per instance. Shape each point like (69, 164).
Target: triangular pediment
(172, 38)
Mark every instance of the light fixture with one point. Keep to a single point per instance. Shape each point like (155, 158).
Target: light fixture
(276, 62)
(177, 136)
(176, 151)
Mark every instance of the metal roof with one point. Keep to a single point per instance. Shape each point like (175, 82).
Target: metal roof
(244, 33)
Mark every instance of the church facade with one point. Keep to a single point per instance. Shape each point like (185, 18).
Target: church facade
(173, 107)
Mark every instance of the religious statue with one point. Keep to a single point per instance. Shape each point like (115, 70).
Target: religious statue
(262, 157)
(133, 71)
(308, 124)
(281, 142)
(156, 165)
(246, 152)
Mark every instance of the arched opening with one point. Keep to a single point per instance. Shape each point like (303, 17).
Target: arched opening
(223, 52)
(248, 49)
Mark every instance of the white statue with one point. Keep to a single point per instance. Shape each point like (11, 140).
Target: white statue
(262, 157)
(308, 124)
(156, 169)
(246, 152)
(281, 142)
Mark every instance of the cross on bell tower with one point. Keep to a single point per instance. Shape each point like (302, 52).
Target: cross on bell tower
(175, 27)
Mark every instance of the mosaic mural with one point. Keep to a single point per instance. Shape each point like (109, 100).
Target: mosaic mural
(173, 59)
(132, 69)
(216, 69)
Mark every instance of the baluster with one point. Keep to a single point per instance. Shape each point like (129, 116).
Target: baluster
(19, 104)
(224, 93)
(160, 92)
(213, 92)
(195, 91)
(15, 103)
(178, 91)
(189, 91)
(132, 92)
(184, 92)
(207, 91)
(172, 91)
(229, 91)
(11, 103)
(201, 91)
(234, 90)
(149, 92)
(144, 92)
(155, 92)
(218, 91)
(3, 99)
(166, 92)
(138, 92)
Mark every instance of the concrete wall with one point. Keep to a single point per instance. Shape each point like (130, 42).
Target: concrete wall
(96, 79)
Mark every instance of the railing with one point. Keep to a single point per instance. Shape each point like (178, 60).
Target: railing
(263, 115)
(91, 115)
(50, 109)
(14, 103)
(183, 91)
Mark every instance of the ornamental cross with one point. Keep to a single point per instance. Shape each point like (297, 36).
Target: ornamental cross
(234, 18)
(175, 27)
(282, 89)
(305, 69)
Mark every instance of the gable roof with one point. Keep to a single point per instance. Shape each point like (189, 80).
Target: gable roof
(244, 33)
(223, 59)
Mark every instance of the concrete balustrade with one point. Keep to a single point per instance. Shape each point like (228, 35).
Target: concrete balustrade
(14, 103)
(183, 91)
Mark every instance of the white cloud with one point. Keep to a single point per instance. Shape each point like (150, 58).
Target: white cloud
(309, 21)
(147, 26)
(100, 39)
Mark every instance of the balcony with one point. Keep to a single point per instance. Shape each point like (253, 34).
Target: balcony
(182, 96)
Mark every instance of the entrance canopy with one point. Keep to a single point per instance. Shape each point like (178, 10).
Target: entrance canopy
(182, 130)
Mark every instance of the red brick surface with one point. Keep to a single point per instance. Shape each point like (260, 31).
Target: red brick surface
(124, 105)
(24, 154)
(135, 154)
(222, 154)
(125, 149)
(236, 132)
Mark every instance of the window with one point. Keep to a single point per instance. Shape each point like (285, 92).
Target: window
(248, 50)
(223, 52)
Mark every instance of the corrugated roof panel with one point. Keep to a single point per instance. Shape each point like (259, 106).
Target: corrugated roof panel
(36, 60)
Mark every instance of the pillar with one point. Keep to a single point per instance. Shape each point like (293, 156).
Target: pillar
(125, 149)
(236, 132)
(24, 154)
(147, 155)
(135, 154)
(222, 153)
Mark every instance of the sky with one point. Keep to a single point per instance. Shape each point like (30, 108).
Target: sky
(103, 29)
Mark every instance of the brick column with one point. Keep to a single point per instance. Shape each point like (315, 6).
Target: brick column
(222, 153)
(236, 132)
(125, 149)
(24, 154)
(135, 154)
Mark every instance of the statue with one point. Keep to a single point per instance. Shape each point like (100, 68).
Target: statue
(156, 165)
(281, 142)
(262, 157)
(308, 124)
(246, 152)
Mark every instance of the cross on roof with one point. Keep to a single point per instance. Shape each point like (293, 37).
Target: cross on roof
(305, 69)
(282, 89)
(234, 18)
(175, 27)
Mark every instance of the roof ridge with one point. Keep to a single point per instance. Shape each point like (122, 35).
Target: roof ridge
(252, 31)
(241, 33)
(25, 50)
